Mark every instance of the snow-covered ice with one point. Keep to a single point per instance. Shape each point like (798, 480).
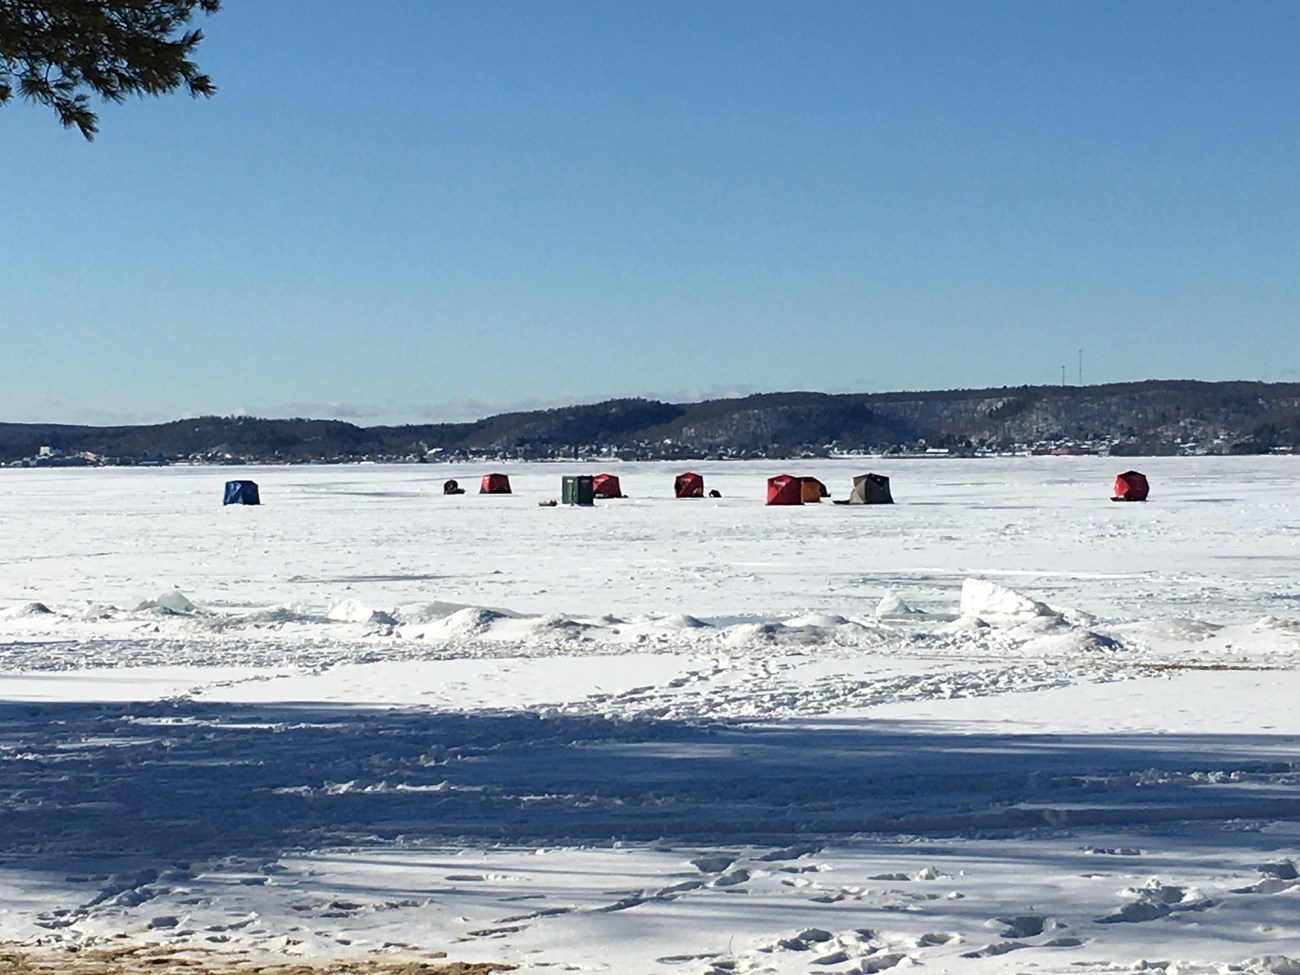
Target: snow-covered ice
(1002, 725)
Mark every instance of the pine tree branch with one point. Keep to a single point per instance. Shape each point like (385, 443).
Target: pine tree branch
(59, 52)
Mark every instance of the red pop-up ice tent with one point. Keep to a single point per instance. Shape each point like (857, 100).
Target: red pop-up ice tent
(494, 484)
(1131, 486)
(606, 486)
(689, 485)
(784, 489)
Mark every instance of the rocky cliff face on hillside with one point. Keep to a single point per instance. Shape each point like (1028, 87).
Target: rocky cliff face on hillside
(1156, 416)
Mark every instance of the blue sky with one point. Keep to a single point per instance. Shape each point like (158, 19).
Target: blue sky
(416, 211)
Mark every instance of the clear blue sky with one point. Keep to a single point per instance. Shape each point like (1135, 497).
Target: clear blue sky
(413, 210)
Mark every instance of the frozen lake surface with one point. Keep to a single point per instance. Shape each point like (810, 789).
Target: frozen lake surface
(1002, 725)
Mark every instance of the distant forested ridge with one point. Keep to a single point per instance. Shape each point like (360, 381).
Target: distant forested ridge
(1158, 416)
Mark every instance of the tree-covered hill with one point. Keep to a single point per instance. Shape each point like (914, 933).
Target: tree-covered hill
(1153, 416)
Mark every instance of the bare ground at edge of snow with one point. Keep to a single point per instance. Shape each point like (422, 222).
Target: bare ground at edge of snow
(135, 958)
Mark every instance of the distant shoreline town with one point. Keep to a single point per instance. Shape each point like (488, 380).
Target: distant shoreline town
(1156, 417)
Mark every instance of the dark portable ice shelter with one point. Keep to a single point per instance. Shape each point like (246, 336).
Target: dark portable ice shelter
(870, 489)
(494, 484)
(688, 485)
(784, 489)
(812, 490)
(1131, 486)
(606, 486)
(241, 492)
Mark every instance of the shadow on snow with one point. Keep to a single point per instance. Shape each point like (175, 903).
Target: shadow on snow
(187, 778)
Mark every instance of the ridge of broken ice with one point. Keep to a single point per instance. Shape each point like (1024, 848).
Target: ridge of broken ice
(990, 601)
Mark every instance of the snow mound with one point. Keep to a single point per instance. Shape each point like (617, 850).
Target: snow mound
(1182, 629)
(815, 629)
(824, 620)
(439, 611)
(752, 634)
(681, 621)
(892, 606)
(670, 623)
(169, 602)
(1268, 636)
(274, 615)
(557, 624)
(26, 611)
(998, 621)
(1273, 965)
(989, 601)
(1265, 623)
(429, 612)
(1070, 641)
(355, 611)
(470, 621)
(964, 624)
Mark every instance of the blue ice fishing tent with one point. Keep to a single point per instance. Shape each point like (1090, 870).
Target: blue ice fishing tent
(241, 492)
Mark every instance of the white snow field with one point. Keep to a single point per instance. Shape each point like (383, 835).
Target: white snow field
(1004, 725)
